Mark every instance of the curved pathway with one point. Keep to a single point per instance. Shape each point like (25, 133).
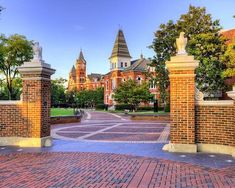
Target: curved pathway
(108, 127)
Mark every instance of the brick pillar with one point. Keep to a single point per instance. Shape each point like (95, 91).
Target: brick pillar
(36, 97)
(182, 97)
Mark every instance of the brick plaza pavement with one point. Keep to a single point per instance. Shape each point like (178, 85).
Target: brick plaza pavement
(106, 127)
(23, 170)
(103, 162)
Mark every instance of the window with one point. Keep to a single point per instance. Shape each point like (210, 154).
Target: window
(107, 85)
(125, 64)
(152, 84)
(121, 64)
(113, 84)
(107, 99)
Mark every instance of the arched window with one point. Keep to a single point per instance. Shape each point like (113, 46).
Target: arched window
(139, 80)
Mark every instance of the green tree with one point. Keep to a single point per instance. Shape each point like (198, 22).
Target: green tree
(198, 27)
(164, 47)
(58, 97)
(89, 98)
(16, 91)
(14, 51)
(132, 93)
(229, 60)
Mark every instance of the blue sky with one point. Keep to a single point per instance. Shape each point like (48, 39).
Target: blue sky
(63, 27)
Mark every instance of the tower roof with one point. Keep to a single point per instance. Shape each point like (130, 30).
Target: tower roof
(120, 48)
(81, 57)
(73, 69)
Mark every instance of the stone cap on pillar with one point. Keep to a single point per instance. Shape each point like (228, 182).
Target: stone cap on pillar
(34, 67)
(231, 94)
(182, 62)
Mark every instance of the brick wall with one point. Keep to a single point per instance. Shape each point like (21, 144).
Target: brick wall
(215, 125)
(31, 116)
(13, 120)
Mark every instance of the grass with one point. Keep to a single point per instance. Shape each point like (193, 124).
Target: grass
(61, 111)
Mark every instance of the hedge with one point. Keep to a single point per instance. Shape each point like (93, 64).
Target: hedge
(101, 107)
(123, 107)
(145, 108)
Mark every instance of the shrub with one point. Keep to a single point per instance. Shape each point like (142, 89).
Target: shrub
(167, 108)
(145, 108)
(100, 106)
(123, 107)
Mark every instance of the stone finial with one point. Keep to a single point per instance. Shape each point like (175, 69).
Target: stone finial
(37, 52)
(199, 96)
(181, 43)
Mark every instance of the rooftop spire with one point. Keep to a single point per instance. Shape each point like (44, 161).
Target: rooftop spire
(73, 69)
(120, 47)
(81, 57)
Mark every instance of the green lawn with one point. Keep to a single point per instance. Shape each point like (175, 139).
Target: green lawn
(61, 111)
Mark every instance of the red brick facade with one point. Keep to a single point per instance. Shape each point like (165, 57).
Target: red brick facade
(79, 80)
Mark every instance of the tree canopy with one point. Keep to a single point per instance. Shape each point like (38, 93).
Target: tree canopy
(205, 43)
(85, 98)
(229, 60)
(58, 97)
(14, 51)
(132, 93)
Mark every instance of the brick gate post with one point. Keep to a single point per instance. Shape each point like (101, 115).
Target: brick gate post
(36, 99)
(182, 99)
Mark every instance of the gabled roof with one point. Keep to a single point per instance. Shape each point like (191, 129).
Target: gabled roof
(95, 75)
(138, 65)
(120, 48)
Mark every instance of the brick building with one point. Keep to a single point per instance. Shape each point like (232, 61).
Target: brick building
(79, 80)
(229, 34)
(123, 68)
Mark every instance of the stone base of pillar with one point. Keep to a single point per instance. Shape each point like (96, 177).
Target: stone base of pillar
(206, 148)
(215, 148)
(185, 148)
(26, 142)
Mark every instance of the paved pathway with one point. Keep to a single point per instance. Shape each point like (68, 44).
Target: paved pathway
(106, 170)
(106, 127)
(82, 158)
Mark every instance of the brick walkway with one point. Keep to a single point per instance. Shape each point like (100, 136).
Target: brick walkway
(106, 170)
